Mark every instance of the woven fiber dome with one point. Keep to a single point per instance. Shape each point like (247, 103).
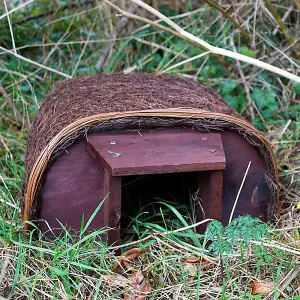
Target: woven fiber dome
(135, 101)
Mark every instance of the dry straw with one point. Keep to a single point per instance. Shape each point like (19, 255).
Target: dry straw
(201, 43)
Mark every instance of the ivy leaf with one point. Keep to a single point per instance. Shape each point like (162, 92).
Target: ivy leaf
(265, 101)
(296, 89)
(233, 101)
(227, 87)
(263, 98)
(258, 123)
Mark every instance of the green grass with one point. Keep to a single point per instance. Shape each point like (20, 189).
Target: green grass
(69, 38)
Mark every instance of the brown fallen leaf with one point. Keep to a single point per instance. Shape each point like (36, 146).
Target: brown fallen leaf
(263, 287)
(140, 287)
(205, 264)
(126, 258)
(116, 280)
(191, 260)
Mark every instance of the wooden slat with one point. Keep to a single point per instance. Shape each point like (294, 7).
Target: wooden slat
(112, 206)
(209, 205)
(158, 151)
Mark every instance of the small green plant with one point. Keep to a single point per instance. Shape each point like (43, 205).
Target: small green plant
(238, 233)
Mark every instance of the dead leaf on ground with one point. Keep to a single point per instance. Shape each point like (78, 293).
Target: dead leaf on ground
(264, 287)
(116, 280)
(127, 257)
(205, 264)
(140, 287)
(191, 260)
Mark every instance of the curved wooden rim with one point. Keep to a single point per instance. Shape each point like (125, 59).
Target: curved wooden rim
(43, 159)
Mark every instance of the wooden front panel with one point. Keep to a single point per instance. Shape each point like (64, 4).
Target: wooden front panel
(72, 186)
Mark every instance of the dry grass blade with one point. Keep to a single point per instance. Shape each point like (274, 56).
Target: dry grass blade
(184, 62)
(34, 63)
(16, 9)
(297, 3)
(282, 26)
(218, 50)
(228, 16)
(18, 115)
(238, 194)
(5, 263)
(294, 274)
(120, 26)
(10, 27)
(245, 83)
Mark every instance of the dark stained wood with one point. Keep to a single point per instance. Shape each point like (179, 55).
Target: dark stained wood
(72, 186)
(210, 189)
(158, 151)
(112, 206)
(163, 151)
(255, 193)
(81, 178)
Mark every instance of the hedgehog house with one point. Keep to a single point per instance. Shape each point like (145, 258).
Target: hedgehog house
(102, 137)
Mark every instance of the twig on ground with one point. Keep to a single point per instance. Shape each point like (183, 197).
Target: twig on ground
(272, 245)
(147, 21)
(8, 101)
